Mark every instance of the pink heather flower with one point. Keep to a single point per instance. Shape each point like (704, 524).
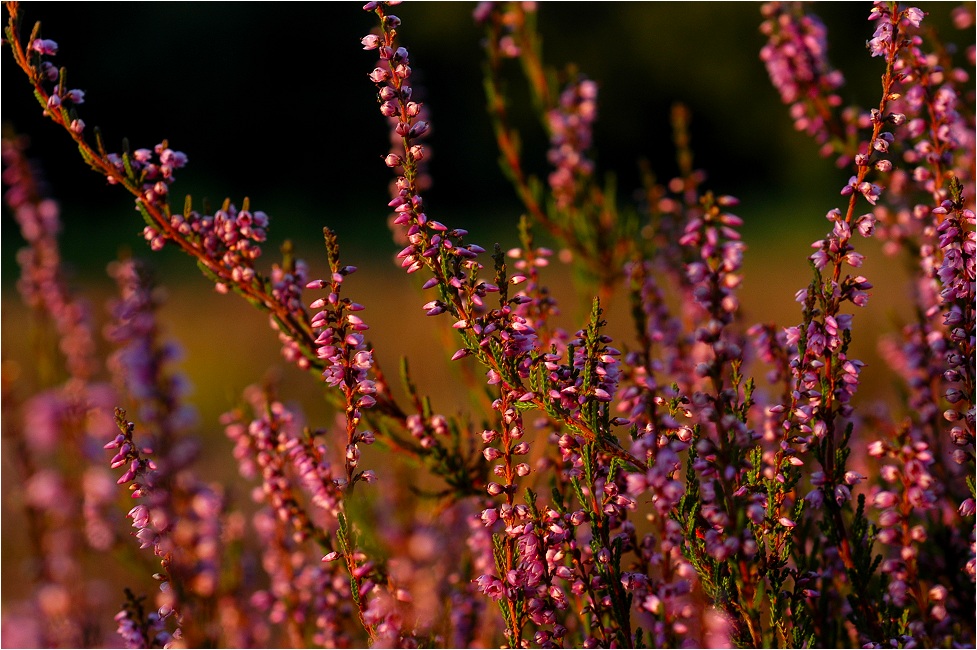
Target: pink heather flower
(44, 46)
(882, 39)
(914, 15)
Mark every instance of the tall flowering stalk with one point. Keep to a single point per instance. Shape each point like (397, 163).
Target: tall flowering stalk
(501, 340)
(796, 58)
(577, 210)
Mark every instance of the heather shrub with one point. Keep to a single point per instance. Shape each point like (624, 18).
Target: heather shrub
(699, 480)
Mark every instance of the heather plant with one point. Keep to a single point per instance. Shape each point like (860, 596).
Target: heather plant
(705, 482)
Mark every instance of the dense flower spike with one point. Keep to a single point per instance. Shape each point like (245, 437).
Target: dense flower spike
(153, 520)
(796, 56)
(786, 511)
(341, 344)
(570, 127)
(140, 359)
(42, 284)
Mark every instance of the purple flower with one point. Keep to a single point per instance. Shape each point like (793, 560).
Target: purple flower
(45, 47)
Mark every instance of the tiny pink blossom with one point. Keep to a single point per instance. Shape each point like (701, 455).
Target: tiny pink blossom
(44, 46)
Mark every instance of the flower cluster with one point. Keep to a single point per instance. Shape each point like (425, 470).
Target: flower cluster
(41, 283)
(229, 236)
(341, 344)
(154, 170)
(140, 358)
(796, 56)
(153, 522)
(570, 126)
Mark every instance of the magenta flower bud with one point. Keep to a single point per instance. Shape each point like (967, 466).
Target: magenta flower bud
(914, 15)
(842, 494)
(75, 96)
(889, 518)
(331, 557)
(876, 449)
(140, 516)
(366, 402)
(786, 523)
(489, 516)
(434, 308)
(379, 75)
(494, 489)
(865, 224)
(44, 46)
(49, 71)
(419, 129)
(115, 443)
(853, 478)
(370, 42)
(53, 101)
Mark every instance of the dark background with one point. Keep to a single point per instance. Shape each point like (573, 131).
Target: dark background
(271, 100)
